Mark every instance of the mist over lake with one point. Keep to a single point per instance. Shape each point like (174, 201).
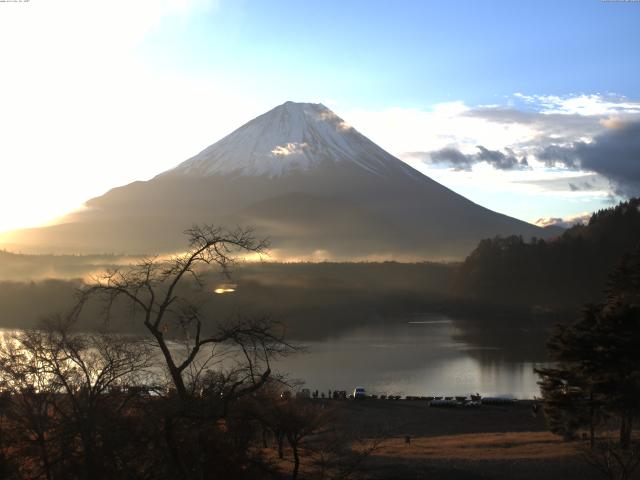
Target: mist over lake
(389, 327)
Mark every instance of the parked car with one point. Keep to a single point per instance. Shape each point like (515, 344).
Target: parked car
(359, 393)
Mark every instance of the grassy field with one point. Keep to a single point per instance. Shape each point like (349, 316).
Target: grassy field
(481, 446)
(490, 442)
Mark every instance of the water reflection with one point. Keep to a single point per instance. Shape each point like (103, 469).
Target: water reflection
(416, 356)
(428, 354)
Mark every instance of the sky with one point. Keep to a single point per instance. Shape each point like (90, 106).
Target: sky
(530, 108)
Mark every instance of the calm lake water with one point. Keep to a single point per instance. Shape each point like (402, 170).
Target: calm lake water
(422, 355)
(427, 354)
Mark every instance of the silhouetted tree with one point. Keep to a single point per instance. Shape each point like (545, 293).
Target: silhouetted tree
(151, 288)
(167, 296)
(572, 399)
(597, 359)
(296, 420)
(61, 388)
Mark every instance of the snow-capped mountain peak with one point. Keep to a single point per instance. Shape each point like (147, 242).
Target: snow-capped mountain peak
(291, 137)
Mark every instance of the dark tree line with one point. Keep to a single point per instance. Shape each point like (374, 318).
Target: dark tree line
(562, 273)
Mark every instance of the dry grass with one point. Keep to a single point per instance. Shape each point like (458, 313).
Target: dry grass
(478, 447)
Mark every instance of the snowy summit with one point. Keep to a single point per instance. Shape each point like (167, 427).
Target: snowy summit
(291, 137)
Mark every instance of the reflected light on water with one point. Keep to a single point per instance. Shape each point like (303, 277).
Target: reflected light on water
(224, 290)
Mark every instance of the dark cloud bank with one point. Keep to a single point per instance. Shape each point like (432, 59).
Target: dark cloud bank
(615, 154)
(455, 158)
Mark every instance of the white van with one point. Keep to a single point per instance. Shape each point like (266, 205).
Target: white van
(359, 393)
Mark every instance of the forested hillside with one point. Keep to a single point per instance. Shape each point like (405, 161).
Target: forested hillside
(561, 273)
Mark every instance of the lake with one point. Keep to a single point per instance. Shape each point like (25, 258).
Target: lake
(424, 355)
(419, 355)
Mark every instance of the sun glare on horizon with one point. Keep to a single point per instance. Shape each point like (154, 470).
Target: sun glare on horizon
(34, 215)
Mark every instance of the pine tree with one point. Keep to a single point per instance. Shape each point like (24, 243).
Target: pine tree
(571, 395)
(597, 361)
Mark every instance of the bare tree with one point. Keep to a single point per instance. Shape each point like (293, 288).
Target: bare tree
(296, 420)
(339, 454)
(317, 435)
(59, 386)
(211, 362)
(26, 403)
(152, 288)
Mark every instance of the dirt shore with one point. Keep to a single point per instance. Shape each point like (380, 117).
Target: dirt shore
(489, 442)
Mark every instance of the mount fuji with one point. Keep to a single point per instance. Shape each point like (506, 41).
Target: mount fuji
(298, 174)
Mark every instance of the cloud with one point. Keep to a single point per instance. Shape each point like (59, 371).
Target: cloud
(577, 187)
(455, 158)
(450, 156)
(402, 130)
(548, 221)
(614, 154)
(549, 128)
(564, 222)
(583, 105)
(290, 149)
(442, 142)
(555, 155)
(502, 161)
(580, 133)
(524, 128)
(333, 119)
(575, 183)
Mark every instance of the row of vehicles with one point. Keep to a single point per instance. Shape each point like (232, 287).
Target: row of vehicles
(360, 393)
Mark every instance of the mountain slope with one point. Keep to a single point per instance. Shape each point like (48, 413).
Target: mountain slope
(300, 175)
